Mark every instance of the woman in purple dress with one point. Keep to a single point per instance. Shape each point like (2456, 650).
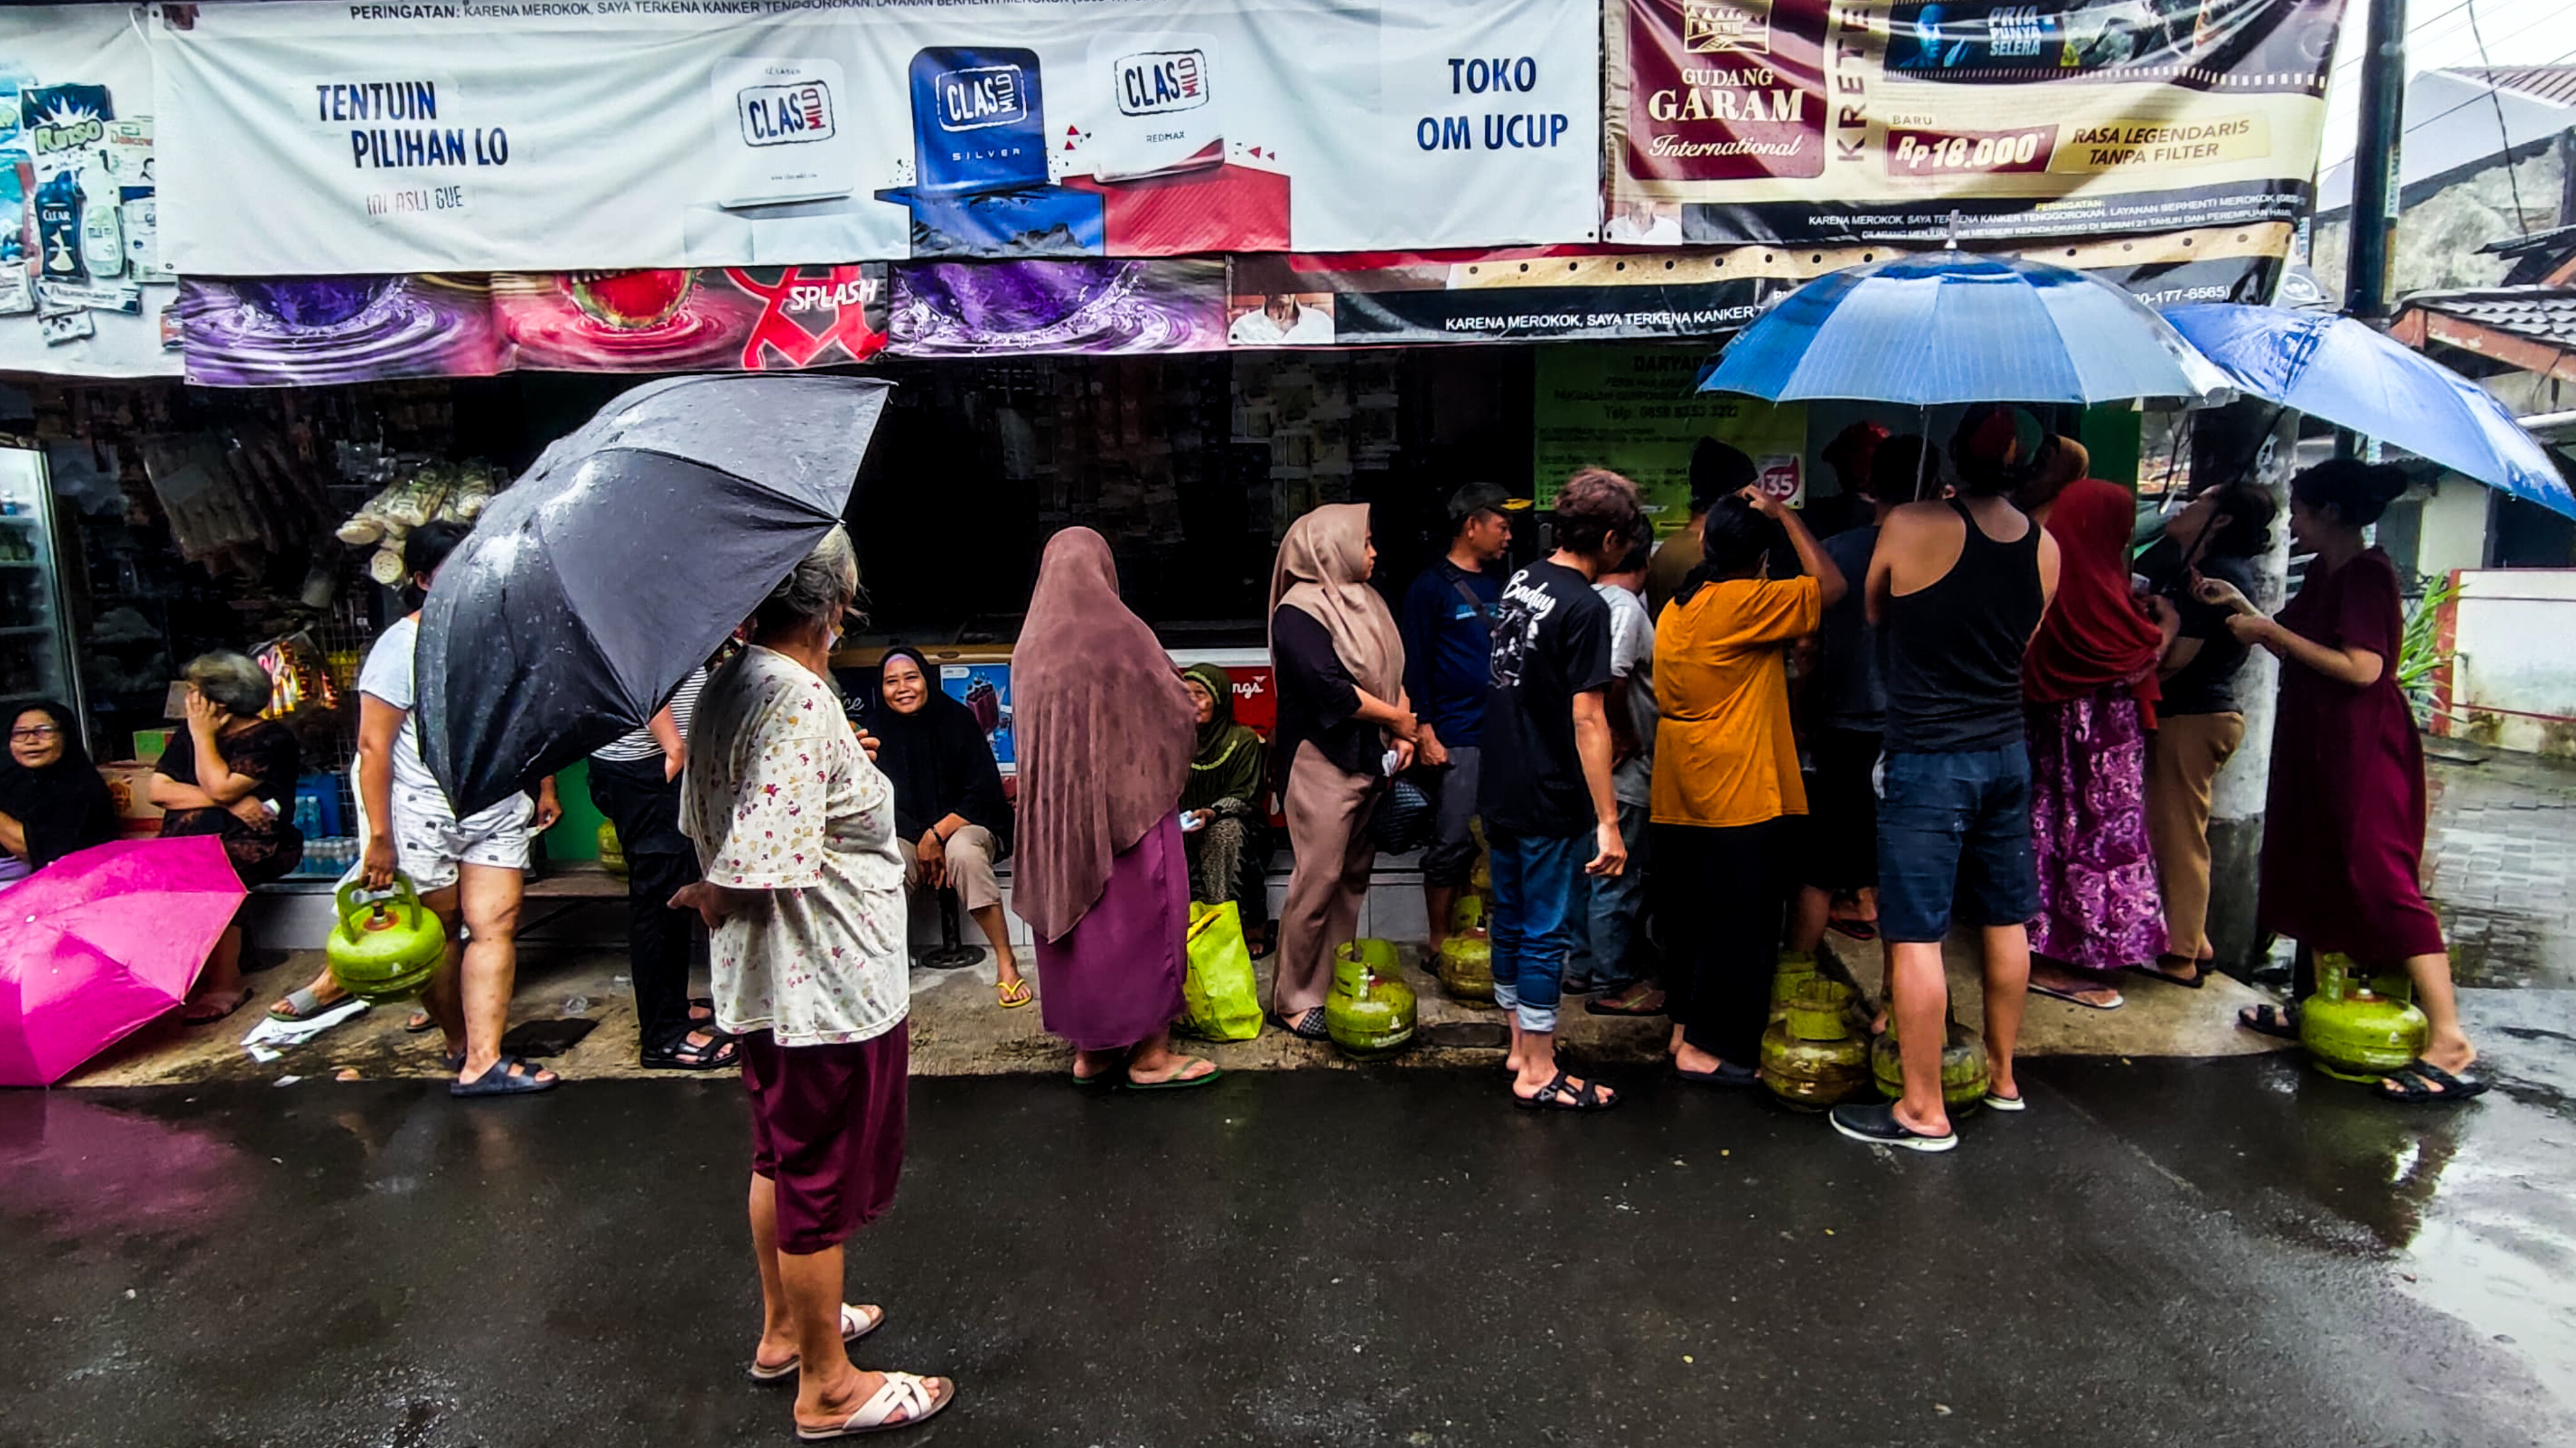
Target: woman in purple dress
(2089, 692)
(1105, 736)
(2343, 832)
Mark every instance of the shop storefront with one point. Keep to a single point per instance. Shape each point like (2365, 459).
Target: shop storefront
(1180, 279)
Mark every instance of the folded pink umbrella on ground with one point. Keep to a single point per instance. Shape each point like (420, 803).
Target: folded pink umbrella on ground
(100, 942)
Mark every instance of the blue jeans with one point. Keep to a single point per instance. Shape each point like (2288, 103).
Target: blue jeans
(1954, 831)
(1536, 880)
(1608, 915)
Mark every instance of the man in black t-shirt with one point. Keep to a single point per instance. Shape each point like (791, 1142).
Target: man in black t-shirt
(1550, 815)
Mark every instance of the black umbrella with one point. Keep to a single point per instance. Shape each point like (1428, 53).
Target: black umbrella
(590, 588)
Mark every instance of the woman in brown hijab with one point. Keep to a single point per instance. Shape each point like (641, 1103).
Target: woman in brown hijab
(1105, 733)
(1342, 706)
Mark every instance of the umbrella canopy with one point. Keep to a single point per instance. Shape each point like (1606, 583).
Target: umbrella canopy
(591, 587)
(100, 942)
(2340, 370)
(1955, 326)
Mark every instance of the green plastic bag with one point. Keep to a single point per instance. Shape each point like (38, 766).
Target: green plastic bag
(1219, 1002)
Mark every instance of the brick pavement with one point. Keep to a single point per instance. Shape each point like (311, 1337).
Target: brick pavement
(2500, 862)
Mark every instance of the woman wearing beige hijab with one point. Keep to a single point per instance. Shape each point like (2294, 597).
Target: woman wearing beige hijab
(1342, 709)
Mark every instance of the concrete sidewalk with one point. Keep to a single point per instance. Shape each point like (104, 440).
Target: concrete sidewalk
(959, 1030)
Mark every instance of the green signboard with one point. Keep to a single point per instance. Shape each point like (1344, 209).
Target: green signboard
(1632, 410)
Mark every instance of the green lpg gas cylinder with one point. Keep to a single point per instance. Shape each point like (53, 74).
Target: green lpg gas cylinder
(1371, 1009)
(2357, 1028)
(612, 853)
(1466, 966)
(1796, 968)
(387, 946)
(1812, 1058)
(1963, 1067)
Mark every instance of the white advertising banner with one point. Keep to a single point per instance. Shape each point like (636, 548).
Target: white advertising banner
(309, 138)
(83, 284)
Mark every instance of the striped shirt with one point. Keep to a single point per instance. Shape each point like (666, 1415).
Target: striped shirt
(641, 744)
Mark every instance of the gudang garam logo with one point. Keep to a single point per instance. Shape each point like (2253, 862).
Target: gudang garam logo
(979, 97)
(1711, 27)
(1155, 82)
(784, 115)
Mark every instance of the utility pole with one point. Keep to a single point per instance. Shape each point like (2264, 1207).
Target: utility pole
(2374, 162)
(2222, 443)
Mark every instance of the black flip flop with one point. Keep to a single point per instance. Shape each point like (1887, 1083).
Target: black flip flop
(2280, 1022)
(1860, 930)
(1560, 1095)
(718, 1053)
(1731, 1074)
(2415, 1081)
(2199, 972)
(498, 1081)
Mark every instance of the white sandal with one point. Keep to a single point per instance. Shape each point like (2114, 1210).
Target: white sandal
(855, 1324)
(905, 1393)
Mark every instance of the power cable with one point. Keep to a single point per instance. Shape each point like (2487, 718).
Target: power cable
(2504, 138)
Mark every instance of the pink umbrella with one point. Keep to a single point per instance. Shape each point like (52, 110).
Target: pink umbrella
(102, 941)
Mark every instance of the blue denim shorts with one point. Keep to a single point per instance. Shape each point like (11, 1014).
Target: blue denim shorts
(1954, 834)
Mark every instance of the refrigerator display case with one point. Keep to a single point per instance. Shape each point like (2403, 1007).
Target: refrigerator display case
(35, 625)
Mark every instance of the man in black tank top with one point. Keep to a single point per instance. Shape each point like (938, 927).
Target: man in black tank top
(1956, 589)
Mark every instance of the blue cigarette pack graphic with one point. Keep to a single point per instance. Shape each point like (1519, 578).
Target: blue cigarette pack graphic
(979, 151)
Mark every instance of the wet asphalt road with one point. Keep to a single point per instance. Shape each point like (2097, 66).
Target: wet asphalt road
(2188, 1253)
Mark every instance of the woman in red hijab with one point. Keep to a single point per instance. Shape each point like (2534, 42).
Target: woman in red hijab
(1105, 734)
(2089, 688)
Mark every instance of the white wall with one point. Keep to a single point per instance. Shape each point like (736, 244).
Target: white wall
(2453, 533)
(2511, 646)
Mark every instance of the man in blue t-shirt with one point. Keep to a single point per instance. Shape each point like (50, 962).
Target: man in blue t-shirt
(1448, 627)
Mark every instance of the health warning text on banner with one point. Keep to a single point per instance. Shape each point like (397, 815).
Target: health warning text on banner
(317, 138)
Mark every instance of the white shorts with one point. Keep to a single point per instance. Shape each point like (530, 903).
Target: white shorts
(431, 843)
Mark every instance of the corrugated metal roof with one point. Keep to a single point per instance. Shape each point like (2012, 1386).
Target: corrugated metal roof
(2543, 82)
(2543, 314)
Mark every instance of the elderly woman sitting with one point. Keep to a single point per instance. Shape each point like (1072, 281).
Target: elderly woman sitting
(1221, 807)
(803, 891)
(229, 778)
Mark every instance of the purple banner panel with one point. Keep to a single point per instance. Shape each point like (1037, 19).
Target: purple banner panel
(315, 331)
(985, 309)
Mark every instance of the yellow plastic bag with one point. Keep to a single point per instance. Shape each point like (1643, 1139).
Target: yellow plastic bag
(1219, 1001)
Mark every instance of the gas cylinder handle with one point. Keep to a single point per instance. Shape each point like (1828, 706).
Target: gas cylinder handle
(353, 894)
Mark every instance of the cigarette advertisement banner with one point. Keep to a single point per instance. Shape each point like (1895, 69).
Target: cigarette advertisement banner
(316, 331)
(1843, 121)
(83, 288)
(309, 138)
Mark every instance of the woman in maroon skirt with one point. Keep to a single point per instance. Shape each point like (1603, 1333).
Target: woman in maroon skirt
(804, 898)
(1105, 732)
(2343, 834)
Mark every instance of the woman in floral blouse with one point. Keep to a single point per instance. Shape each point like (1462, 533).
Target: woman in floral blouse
(795, 831)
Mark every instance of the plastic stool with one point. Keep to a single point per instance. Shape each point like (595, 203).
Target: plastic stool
(949, 954)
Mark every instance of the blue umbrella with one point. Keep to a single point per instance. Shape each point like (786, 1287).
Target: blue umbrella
(1955, 326)
(2340, 370)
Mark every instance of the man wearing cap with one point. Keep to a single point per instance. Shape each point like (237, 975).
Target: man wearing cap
(1717, 470)
(1448, 627)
